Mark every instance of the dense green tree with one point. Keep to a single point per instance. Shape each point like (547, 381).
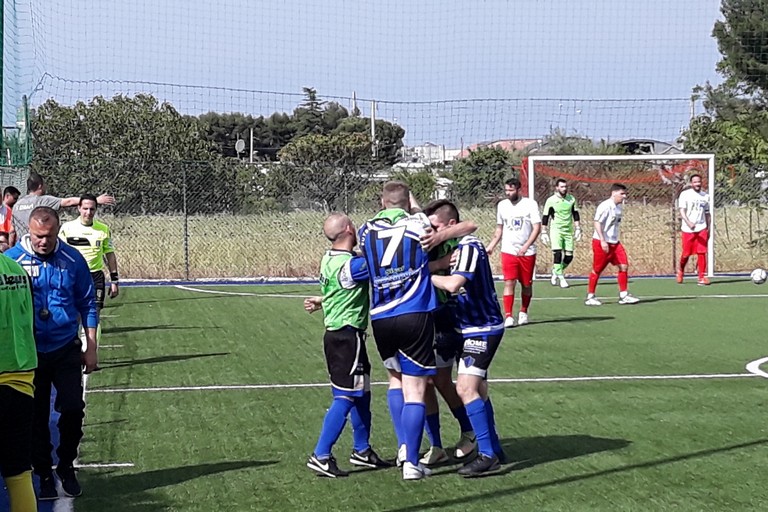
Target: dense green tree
(132, 147)
(478, 178)
(734, 124)
(389, 137)
(308, 117)
(326, 170)
(742, 38)
(421, 182)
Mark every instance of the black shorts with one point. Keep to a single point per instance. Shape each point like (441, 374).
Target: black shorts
(448, 340)
(405, 343)
(478, 353)
(16, 430)
(347, 360)
(99, 285)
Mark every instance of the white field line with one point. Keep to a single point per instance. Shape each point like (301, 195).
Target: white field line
(754, 367)
(533, 380)
(241, 294)
(654, 297)
(111, 346)
(106, 465)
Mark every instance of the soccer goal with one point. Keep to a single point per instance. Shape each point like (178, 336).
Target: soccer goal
(650, 228)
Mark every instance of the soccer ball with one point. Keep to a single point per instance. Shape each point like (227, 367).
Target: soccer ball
(758, 276)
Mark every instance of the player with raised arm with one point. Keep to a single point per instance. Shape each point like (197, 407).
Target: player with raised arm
(448, 342)
(479, 318)
(36, 196)
(693, 204)
(562, 208)
(402, 302)
(606, 247)
(344, 284)
(518, 224)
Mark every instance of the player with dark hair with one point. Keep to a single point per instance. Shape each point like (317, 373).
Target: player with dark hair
(518, 224)
(606, 247)
(482, 326)
(562, 208)
(9, 199)
(93, 239)
(36, 196)
(693, 204)
(444, 217)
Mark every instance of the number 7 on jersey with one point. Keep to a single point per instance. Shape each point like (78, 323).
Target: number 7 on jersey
(396, 237)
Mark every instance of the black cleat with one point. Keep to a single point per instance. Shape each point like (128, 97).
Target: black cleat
(325, 467)
(482, 465)
(368, 459)
(69, 482)
(48, 488)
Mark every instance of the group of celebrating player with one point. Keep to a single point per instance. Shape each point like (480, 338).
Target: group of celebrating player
(427, 285)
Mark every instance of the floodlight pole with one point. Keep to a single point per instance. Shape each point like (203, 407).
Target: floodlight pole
(373, 128)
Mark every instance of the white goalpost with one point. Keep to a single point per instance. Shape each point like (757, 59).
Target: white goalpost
(539, 161)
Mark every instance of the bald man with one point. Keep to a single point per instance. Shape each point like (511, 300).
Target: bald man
(63, 296)
(344, 284)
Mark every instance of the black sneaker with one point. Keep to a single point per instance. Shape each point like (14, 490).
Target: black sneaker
(480, 466)
(48, 488)
(502, 456)
(69, 481)
(369, 459)
(325, 467)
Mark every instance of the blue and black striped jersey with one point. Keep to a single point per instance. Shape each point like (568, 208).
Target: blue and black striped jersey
(398, 267)
(477, 309)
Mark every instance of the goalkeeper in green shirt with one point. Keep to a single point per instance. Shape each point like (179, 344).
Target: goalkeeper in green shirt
(562, 209)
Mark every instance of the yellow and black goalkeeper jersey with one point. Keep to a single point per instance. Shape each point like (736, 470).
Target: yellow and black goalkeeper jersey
(93, 242)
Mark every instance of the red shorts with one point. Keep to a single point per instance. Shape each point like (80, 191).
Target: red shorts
(616, 255)
(695, 243)
(519, 268)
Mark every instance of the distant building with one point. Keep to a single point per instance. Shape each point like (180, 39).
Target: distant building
(648, 147)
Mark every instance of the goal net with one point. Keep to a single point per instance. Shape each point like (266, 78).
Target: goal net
(650, 225)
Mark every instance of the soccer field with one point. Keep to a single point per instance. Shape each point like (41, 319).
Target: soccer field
(213, 401)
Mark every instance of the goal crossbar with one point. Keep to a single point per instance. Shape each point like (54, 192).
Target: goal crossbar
(708, 157)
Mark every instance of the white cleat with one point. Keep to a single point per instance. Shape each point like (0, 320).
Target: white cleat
(522, 318)
(592, 301)
(563, 282)
(434, 456)
(509, 322)
(553, 279)
(628, 299)
(401, 455)
(413, 472)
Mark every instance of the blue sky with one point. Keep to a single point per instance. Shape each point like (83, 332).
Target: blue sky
(550, 60)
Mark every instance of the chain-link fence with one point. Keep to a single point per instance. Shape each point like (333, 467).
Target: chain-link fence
(14, 177)
(227, 219)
